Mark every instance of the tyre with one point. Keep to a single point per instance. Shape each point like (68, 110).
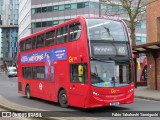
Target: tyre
(63, 99)
(28, 94)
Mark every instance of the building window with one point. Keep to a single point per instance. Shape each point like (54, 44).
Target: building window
(49, 23)
(81, 5)
(61, 21)
(50, 38)
(33, 25)
(75, 31)
(109, 8)
(96, 5)
(138, 25)
(143, 25)
(73, 6)
(61, 7)
(55, 8)
(40, 41)
(143, 39)
(61, 35)
(44, 9)
(50, 9)
(38, 10)
(44, 24)
(87, 4)
(55, 22)
(91, 4)
(38, 24)
(138, 39)
(68, 6)
(33, 10)
(115, 7)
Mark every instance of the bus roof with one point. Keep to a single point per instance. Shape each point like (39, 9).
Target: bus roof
(61, 24)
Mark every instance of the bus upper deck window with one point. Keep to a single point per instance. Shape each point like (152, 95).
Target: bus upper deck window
(22, 46)
(33, 42)
(50, 38)
(40, 41)
(75, 31)
(62, 35)
(28, 44)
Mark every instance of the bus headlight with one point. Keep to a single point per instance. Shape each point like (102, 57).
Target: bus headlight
(95, 93)
(131, 90)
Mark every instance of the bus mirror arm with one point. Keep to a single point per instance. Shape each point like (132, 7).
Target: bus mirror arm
(113, 80)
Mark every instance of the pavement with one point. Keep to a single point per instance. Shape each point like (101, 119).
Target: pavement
(6, 105)
(140, 92)
(147, 93)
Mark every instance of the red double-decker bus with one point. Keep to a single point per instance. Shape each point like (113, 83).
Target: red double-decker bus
(83, 62)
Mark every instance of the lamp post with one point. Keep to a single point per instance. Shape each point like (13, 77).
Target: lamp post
(99, 8)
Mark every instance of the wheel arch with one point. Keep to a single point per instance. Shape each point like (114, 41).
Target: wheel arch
(61, 88)
(26, 87)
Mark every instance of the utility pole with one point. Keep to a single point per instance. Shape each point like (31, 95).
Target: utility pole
(99, 8)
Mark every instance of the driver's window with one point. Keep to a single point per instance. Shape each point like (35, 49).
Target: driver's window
(78, 73)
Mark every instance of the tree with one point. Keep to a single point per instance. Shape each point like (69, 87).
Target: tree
(134, 10)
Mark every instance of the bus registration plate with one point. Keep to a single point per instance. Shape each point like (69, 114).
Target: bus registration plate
(114, 103)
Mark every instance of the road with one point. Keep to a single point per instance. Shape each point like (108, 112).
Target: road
(8, 89)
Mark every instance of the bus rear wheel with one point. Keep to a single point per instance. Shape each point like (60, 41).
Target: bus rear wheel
(28, 94)
(63, 99)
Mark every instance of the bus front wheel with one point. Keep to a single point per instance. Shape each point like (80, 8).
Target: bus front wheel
(63, 99)
(28, 94)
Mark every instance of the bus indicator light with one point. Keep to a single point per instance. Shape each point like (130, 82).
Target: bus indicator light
(40, 86)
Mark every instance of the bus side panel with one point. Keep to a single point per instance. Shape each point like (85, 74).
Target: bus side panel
(60, 80)
(78, 91)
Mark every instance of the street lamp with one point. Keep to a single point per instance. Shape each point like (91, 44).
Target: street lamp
(99, 8)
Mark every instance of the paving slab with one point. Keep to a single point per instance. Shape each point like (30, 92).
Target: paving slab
(147, 93)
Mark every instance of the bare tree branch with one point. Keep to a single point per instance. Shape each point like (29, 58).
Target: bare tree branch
(133, 9)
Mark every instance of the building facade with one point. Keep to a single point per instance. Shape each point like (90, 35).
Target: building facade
(8, 31)
(153, 36)
(36, 15)
(152, 47)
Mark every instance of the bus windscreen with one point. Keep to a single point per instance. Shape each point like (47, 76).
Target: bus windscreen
(102, 29)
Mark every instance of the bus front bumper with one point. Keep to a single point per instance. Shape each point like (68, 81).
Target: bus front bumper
(109, 100)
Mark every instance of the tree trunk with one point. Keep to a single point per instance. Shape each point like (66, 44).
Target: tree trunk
(132, 34)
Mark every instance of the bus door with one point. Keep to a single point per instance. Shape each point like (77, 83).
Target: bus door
(78, 84)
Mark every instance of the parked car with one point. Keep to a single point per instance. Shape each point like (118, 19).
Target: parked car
(12, 71)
